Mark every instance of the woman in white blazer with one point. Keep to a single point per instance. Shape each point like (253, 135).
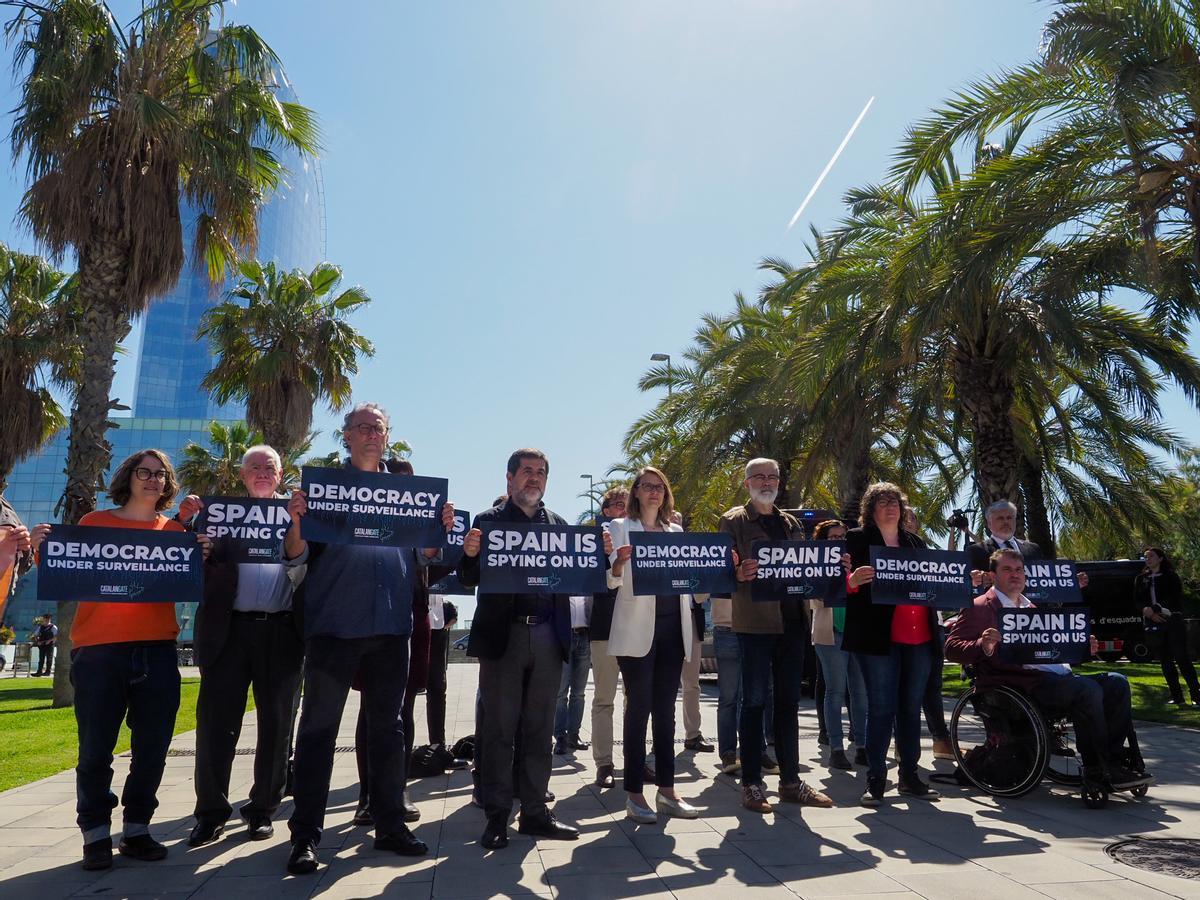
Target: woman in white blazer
(650, 637)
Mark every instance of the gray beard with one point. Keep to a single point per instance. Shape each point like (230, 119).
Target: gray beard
(765, 496)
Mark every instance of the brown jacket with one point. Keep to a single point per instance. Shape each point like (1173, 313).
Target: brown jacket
(964, 646)
(746, 526)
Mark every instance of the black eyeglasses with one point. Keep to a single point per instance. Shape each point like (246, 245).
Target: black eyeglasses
(141, 473)
(367, 430)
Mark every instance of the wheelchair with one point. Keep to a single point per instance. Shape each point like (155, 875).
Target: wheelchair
(1005, 746)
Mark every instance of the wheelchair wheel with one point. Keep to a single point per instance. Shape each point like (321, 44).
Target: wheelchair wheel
(1064, 765)
(1140, 791)
(999, 741)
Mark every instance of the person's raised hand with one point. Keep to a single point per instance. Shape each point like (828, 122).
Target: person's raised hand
(747, 569)
(471, 542)
(190, 506)
(448, 516)
(38, 535)
(862, 575)
(624, 554)
(988, 640)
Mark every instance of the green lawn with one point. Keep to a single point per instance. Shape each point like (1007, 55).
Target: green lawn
(1145, 682)
(39, 740)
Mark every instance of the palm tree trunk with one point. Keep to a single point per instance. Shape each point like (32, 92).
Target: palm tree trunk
(105, 324)
(1037, 517)
(985, 389)
(853, 468)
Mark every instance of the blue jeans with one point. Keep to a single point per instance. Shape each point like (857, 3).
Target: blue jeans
(729, 686)
(895, 685)
(114, 681)
(568, 715)
(843, 682)
(935, 710)
(764, 656)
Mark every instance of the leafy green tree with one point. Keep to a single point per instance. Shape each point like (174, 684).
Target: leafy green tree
(39, 347)
(282, 343)
(118, 126)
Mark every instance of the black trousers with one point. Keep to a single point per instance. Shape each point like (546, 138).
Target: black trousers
(362, 741)
(435, 689)
(45, 660)
(260, 654)
(1169, 643)
(1099, 708)
(329, 669)
(651, 685)
(518, 693)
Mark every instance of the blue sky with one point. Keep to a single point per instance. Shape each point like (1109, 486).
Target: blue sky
(540, 195)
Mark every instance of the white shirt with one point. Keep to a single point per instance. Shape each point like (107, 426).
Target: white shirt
(579, 617)
(1009, 543)
(1023, 603)
(437, 616)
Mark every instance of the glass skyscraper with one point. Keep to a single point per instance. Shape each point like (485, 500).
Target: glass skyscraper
(170, 408)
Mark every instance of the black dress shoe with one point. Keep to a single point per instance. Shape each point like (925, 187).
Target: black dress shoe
(549, 796)
(447, 760)
(362, 816)
(403, 842)
(259, 827)
(411, 813)
(576, 743)
(495, 836)
(604, 776)
(143, 847)
(303, 858)
(560, 746)
(205, 833)
(698, 744)
(98, 855)
(546, 826)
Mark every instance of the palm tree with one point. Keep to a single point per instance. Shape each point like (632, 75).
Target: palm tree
(118, 125)
(38, 343)
(217, 471)
(284, 347)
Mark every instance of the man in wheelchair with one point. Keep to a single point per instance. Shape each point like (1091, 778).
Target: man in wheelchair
(1097, 705)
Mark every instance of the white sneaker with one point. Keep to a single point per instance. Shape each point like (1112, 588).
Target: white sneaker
(635, 812)
(678, 809)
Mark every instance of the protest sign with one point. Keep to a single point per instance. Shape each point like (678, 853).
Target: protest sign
(799, 570)
(451, 585)
(452, 548)
(254, 528)
(119, 565)
(349, 506)
(523, 558)
(911, 576)
(681, 562)
(1043, 636)
(1052, 581)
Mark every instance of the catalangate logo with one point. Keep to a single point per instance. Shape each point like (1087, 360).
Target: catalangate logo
(114, 590)
(546, 581)
(685, 584)
(373, 534)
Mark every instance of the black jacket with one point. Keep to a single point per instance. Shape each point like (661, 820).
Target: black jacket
(981, 554)
(869, 625)
(1168, 592)
(494, 612)
(211, 627)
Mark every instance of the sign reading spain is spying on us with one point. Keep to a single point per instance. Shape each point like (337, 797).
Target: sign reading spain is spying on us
(681, 562)
(349, 506)
(523, 558)
(1051, 581)
(78, 563)
(911, 576)
(799, 570)
(1035, 636)
(253, 528)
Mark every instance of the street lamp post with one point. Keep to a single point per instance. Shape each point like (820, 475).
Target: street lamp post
(664, 357)
(591, 495)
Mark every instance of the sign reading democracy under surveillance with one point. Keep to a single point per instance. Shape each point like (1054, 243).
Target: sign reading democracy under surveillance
(681, 562)
(537, 557)
(1035, 636)
(799, 570)
(119, 565)
(349, 506)
(1052, 581)
(914, 577)
(254, 528)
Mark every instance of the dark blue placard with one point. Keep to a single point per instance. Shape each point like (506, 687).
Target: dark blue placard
(119, 565)
(799, 570)
(254, 528)
(348, 506)
(681, 562)
(452, 547)
(452, 586)
(520, 558)
(937, 578)
(1052, 581)
(1040, 636)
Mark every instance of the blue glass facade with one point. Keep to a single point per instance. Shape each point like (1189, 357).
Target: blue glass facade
(170, 408)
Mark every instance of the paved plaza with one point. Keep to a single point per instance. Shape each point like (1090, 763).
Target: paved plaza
(965, 846)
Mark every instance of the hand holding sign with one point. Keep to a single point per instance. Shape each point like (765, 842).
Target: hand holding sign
(471, 543)
(190, 506)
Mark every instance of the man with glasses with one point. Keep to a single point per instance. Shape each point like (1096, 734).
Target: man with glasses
(358, 616)
(245, 637)
(605, 672)
(773, 635)
(521, 642)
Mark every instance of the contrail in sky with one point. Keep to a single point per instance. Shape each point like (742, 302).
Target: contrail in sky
(830, 164)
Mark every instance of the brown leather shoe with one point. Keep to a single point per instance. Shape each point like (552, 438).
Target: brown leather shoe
(754, 798)
(804, 795)
(943, 750)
